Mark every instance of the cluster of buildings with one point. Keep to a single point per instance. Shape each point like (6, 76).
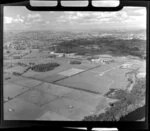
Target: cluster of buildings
(68, 55)
(102, 60)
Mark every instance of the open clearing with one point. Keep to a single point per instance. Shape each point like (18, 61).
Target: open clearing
(92, 80)
(57, 100)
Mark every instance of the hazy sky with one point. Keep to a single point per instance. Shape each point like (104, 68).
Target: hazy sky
(20, 18)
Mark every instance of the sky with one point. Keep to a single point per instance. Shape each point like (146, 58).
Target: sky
(20, 18)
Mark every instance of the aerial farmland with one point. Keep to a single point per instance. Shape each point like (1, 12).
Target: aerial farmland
(63, 73)
(62, 93)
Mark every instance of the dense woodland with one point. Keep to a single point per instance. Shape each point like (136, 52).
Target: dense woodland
(127, 102)
(108, 45)
(79, 43)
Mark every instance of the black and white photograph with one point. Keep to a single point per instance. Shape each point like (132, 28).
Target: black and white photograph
(74, 65)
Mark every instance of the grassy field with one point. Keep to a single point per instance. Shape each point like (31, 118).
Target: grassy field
(52, 95)
(93, 81)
